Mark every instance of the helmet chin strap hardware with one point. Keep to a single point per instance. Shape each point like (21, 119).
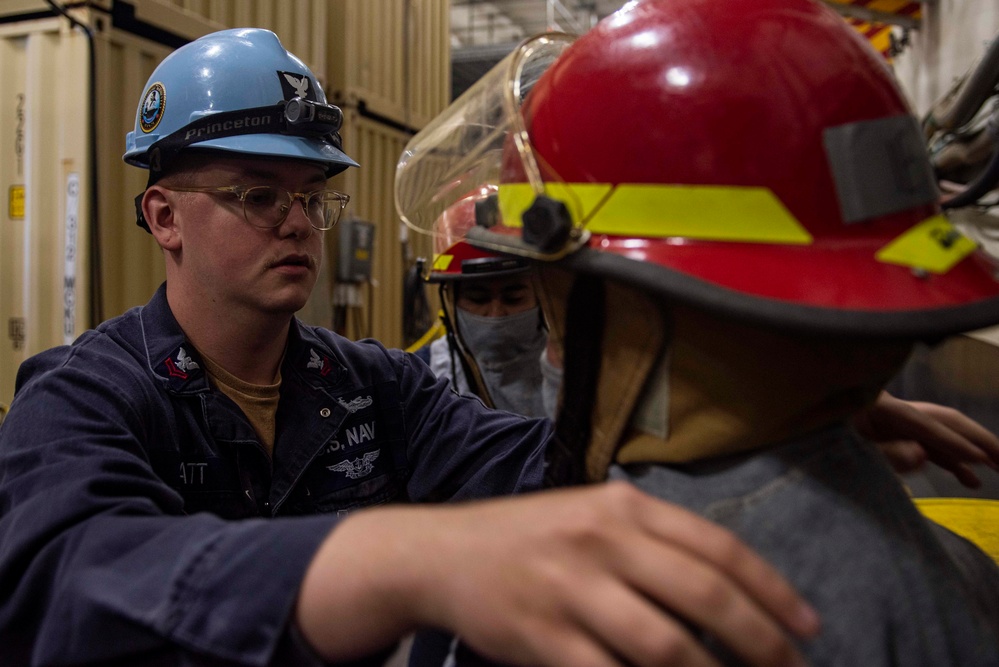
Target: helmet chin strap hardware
(487, 213)
(547, 224)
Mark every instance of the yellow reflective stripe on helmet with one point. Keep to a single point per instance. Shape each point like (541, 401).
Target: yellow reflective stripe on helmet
(515, 198)
(706, 212)
(934, 245)
(751, 215)
(441, 262)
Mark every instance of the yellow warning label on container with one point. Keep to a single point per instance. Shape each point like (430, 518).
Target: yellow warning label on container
(15, 202)
(933, 245)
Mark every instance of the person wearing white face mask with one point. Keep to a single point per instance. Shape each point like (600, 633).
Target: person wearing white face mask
(496, 337)
(502, 328)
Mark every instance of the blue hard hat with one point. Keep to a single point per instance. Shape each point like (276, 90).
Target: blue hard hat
(236, 91)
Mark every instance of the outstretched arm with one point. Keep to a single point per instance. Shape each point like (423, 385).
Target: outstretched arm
(596, 576)
(912, 432)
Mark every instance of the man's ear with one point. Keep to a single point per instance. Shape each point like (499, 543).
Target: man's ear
(159, 214)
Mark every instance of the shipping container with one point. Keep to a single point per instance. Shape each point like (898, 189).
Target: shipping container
(45, 228)
(130, 263)
(377, 147)
(390, 58)
(302, 25)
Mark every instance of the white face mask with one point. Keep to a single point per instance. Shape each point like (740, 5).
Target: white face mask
(550, 385)
(508, 350)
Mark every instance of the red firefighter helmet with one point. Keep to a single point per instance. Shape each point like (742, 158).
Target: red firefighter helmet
(752, 157)
(454, 257)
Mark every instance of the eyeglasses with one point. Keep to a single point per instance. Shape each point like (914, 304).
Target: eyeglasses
(268, 206)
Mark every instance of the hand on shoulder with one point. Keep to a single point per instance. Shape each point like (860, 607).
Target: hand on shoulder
(584, 576)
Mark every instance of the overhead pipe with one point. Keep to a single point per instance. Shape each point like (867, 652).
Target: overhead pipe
(986, 180)
(962, 102)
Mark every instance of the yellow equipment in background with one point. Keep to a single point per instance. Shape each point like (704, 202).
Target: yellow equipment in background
(975, 519)
(880, 21)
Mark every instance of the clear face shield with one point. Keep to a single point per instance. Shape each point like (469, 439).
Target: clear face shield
(480, 143)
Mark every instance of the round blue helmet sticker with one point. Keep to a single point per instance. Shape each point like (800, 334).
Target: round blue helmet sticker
(151, 109)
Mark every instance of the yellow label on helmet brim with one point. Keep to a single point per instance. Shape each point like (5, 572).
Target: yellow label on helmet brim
(441, 262)
(933, 245)
(703, 212)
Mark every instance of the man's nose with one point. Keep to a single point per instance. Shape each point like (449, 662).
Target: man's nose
(298, 221)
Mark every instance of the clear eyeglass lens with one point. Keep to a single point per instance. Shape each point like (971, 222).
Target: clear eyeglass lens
(267, 206)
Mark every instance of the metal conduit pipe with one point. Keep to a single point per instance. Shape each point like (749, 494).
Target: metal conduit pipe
(988, 178)
(983, 183)
(960, 105)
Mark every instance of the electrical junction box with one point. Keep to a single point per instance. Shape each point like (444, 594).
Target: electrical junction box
(355, 247)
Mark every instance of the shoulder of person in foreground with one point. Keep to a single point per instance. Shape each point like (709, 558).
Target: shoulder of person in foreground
(599, 576)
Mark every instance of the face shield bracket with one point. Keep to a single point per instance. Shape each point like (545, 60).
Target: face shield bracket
(547, 224)
(487, 212)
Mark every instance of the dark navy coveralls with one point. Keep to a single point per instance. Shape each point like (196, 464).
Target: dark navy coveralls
(134, 498)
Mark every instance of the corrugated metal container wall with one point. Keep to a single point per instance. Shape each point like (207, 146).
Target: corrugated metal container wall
(131, 264)
(392, 57)
(45, 179)
(389, 66)
(377, 147)
(300, 24)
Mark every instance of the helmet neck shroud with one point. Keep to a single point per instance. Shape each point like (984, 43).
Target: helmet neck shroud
(651, 380)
